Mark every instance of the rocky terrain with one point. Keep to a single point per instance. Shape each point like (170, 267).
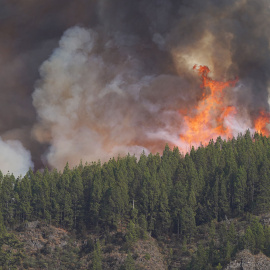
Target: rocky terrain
(247, 261)
(49, 247)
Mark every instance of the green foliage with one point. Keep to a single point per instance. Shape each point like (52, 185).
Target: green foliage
(219, 266)
(97, 257)
(258, 232)
(249, 240)
(129, 263)
(131, 235)
(267, 240)
(143, 227)
(162, 195)
(147, 256)
(174, 193)
(11, 252)
(201, 256)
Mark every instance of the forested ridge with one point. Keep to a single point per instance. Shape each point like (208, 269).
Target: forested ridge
(168, 194)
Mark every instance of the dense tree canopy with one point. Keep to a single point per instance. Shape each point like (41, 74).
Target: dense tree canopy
(172, 193)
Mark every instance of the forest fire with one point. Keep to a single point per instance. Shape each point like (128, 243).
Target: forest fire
(208, 120)
(261, 123)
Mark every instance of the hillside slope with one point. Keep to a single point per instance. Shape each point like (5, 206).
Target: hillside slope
(48, 247)
(247, 261)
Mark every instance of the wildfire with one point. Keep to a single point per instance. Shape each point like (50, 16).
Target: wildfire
(207, 120)
(261, 122)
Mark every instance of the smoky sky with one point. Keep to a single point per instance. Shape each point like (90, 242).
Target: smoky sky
(89, 79)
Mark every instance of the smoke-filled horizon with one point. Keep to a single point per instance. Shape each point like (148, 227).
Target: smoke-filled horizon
(89, 80)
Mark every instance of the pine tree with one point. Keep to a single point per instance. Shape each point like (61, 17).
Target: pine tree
(258, 232)
(267, 241)
(232, 237)
(65, 201)
(201, 257)
(249, 239)
(7, 199)
(187, 221)
(129, 263)
(143, 226)
(239, 187)
(228, 252)
(178, 198)
(95, 196)
(263, 191)
(131, 235)
(223, 201)
(40, 194)
(111, 194)
(76, 193)
(97, 257)
(120, 192)
(11, 249)
(163, 216)
(52, 179)
(252, 180)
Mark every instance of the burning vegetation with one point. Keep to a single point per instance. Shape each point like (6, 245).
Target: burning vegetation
(107, 78)
(207, 120)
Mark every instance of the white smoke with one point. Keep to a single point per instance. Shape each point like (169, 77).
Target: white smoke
(94, 102)
(14, 158)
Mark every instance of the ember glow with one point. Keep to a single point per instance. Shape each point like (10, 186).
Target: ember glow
(207, 120)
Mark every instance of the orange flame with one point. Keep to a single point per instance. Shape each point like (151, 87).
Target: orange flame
(207, 120)
(261, 122)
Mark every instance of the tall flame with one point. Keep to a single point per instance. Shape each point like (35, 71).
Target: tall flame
(207, 120)
(261, 123)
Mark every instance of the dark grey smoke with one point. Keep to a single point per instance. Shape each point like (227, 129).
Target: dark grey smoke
(122, 71)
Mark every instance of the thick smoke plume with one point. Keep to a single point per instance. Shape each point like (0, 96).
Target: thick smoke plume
(120, 76)
(92, 107)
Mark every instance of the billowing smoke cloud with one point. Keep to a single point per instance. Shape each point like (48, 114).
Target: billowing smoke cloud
(122, 71)
(14, 158)
(95, 108)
